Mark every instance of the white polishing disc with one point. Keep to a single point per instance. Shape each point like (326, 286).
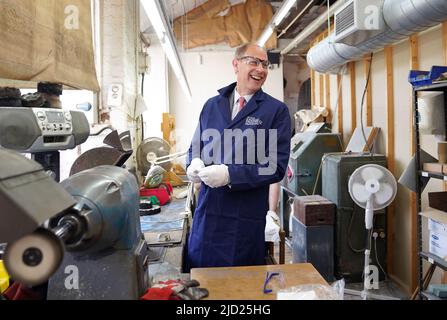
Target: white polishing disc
(32, 259)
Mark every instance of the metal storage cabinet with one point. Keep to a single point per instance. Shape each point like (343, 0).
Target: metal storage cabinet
(350, 232)
(314, 244)
(313, 234)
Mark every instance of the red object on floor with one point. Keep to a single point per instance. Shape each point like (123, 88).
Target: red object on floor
(18, 291)
(164, 290)
(163, 193)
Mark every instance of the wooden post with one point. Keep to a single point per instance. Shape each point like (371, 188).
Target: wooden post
(340, 104)
(444, 41)
(369, 116)
(328, 98)
(321, 85)
(390, 151)
(353, 97)
(312, 85)
(414, 64)
(167, 126)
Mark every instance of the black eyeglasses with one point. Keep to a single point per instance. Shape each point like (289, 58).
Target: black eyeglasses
(255, 62)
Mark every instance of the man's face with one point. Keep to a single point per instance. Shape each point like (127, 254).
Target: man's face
(250, 77)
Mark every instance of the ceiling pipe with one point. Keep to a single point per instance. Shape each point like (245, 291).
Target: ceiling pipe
(317, 23)
(402, 18)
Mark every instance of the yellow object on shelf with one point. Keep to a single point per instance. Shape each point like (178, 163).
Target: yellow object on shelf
(4, 278)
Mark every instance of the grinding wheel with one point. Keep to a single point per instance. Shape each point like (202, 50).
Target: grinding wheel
(151, 149)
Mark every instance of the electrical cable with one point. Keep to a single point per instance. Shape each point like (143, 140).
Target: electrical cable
(141, 116)
(363, 101)
(349, 234)
(377, 259)
(321, 165)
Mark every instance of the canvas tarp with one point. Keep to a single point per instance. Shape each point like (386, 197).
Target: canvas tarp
(48, 40)
(216, 21)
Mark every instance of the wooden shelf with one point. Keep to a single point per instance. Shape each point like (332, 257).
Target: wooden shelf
(442, 86)
(434, 260)
(433, 175)
(435, 214)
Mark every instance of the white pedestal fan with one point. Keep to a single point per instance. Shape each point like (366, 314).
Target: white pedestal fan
(372, 187)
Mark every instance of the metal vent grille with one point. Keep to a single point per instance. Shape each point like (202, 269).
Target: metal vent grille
(345, 19)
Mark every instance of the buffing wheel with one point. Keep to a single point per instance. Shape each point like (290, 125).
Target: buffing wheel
(32, 259)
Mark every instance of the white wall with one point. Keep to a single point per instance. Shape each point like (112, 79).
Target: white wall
(119, 44)
(206, 73)
(156, 93)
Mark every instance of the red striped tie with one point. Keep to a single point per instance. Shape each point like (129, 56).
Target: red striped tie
(241, 103)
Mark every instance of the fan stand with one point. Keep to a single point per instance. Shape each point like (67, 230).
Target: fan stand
(365, 294)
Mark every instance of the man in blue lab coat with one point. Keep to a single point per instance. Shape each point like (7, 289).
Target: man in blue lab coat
(240, 147)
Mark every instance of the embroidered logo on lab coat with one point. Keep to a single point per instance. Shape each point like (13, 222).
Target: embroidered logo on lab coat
(252, 121)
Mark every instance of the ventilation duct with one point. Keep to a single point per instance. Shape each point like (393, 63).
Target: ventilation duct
(409, 16)
(402, 18)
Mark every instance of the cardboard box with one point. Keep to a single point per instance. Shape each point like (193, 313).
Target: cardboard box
(437, 245)
(437, 227)
(437, 232)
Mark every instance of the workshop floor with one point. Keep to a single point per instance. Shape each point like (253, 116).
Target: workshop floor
(386, 288)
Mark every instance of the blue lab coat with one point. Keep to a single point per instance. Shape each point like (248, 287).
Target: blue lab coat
(228, 226)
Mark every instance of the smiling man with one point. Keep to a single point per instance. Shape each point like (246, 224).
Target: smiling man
(229, 222)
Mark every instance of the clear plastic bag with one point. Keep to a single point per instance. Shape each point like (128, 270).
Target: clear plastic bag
(313, 292)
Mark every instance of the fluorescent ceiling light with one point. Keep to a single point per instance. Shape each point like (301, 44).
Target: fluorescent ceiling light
(283, 11)
(154, 11)
(265, 35)
(277, 18)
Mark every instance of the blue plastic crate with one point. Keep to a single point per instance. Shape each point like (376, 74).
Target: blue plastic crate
(419, 78)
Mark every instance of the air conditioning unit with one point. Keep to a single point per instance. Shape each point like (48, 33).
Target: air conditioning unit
(359, 20)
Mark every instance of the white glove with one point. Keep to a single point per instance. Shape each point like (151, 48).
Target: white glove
(215, 176)
(193, 170)
(272, 227)
(274, 216)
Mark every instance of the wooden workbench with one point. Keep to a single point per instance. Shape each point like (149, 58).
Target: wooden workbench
(247, 283)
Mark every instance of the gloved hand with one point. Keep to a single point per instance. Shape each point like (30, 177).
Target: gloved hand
(272, 227)
(274, 216)
(215, 176)
(193, 170)
(175, 290)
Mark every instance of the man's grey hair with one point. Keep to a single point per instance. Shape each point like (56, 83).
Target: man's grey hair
(240, 51)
